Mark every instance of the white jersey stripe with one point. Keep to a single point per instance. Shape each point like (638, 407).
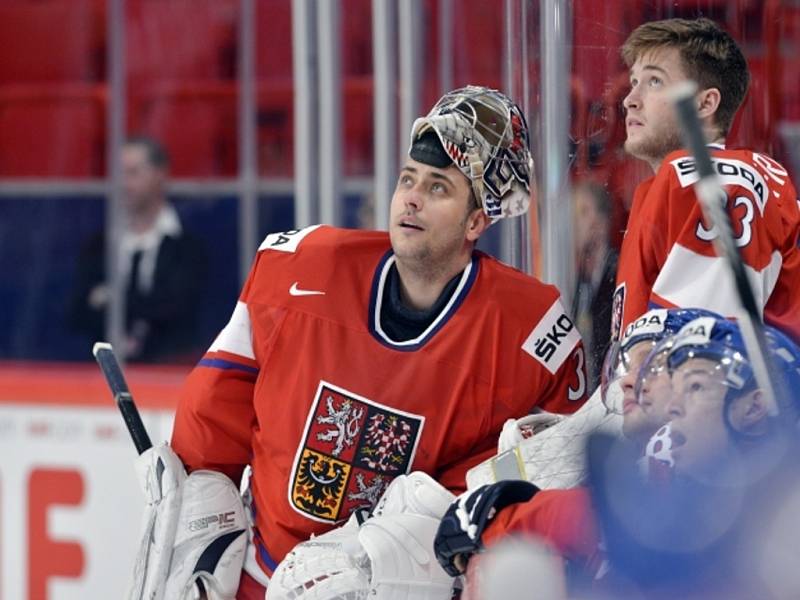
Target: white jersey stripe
(237, 336)
(691, 280)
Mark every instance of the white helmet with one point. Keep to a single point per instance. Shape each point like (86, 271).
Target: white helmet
(485, 135)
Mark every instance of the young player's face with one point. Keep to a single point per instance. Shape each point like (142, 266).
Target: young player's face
(700, 438)
(650, 122)
(642, 416)
(430, 215)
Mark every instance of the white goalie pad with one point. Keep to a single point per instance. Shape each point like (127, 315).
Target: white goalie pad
(389, 557)
(194, 534)
(551, 458)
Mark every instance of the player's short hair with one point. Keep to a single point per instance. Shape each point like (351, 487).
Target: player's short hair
(156, 154)
(709, 54)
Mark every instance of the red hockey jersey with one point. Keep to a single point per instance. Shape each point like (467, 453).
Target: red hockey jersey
(564, 519)
(304, 384)
(667, 258)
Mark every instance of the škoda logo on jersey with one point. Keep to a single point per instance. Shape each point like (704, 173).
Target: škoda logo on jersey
(351, 449)
(553, 338)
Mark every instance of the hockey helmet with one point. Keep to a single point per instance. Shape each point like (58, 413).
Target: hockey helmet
(721, 342)
(651, 327)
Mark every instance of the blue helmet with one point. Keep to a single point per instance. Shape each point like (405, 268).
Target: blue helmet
(720, 340)
(652, 327)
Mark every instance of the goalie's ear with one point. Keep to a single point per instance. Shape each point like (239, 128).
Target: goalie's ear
(477, 222)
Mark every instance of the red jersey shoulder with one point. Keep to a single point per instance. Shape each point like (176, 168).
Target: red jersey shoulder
(756, 171)
(532, 307)
(322, 237)
(515, 292)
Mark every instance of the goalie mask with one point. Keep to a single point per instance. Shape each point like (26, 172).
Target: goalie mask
(485, 135)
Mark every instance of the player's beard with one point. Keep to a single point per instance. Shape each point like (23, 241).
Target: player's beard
(656, 146)
(432, 257)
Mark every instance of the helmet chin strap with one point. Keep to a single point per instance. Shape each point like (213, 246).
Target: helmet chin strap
(476, 177)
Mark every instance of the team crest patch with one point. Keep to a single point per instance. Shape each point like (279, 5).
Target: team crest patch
(351, 449)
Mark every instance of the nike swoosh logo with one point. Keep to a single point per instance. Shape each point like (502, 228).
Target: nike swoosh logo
(296, 291)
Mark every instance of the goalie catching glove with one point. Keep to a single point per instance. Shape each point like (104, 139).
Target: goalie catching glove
(387, 557)
(194, 532)
(461, 528)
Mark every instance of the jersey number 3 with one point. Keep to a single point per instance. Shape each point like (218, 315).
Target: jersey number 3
(741, 222)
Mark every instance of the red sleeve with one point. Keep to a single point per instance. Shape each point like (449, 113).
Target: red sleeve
(564, 518)
(567, 390)
(783, 307)
(215, 415)
(454, 477)
(644, 248)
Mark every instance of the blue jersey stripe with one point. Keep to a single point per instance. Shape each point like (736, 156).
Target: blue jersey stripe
(218, 363)
(262, 552)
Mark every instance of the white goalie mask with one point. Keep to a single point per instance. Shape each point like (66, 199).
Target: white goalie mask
(485, 135)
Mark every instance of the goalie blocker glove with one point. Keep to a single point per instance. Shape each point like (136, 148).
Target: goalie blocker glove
(194, 532)
(463, 524)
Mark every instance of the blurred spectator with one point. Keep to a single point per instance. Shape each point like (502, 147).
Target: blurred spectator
(162, 266)
(596, 270)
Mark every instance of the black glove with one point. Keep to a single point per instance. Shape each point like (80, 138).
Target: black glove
(463, 524)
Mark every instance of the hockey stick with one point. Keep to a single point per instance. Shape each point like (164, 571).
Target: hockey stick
(104, 354)
(713, 201)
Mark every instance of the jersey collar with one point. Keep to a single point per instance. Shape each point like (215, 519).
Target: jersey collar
(376, 302)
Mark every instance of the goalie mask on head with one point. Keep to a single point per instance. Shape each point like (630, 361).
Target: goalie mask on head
(484, 134)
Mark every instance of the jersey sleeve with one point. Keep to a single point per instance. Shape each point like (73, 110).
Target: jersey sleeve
(554, 362)
(783, 307)
(563, 518)
(556, 346)
(644, 244)
(215, 414)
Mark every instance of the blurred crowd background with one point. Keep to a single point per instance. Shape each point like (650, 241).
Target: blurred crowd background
(216, 84)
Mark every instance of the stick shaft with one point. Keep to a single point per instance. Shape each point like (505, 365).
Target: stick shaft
(104, 354)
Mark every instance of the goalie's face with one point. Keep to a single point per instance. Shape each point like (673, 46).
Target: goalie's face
(433, 222)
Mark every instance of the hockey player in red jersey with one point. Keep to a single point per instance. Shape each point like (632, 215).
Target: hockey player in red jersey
(667, 258)
(354, 357)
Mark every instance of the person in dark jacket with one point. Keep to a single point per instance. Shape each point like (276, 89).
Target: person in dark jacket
(162, 266)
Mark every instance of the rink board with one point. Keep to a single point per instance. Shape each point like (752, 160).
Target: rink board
(70, 505)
